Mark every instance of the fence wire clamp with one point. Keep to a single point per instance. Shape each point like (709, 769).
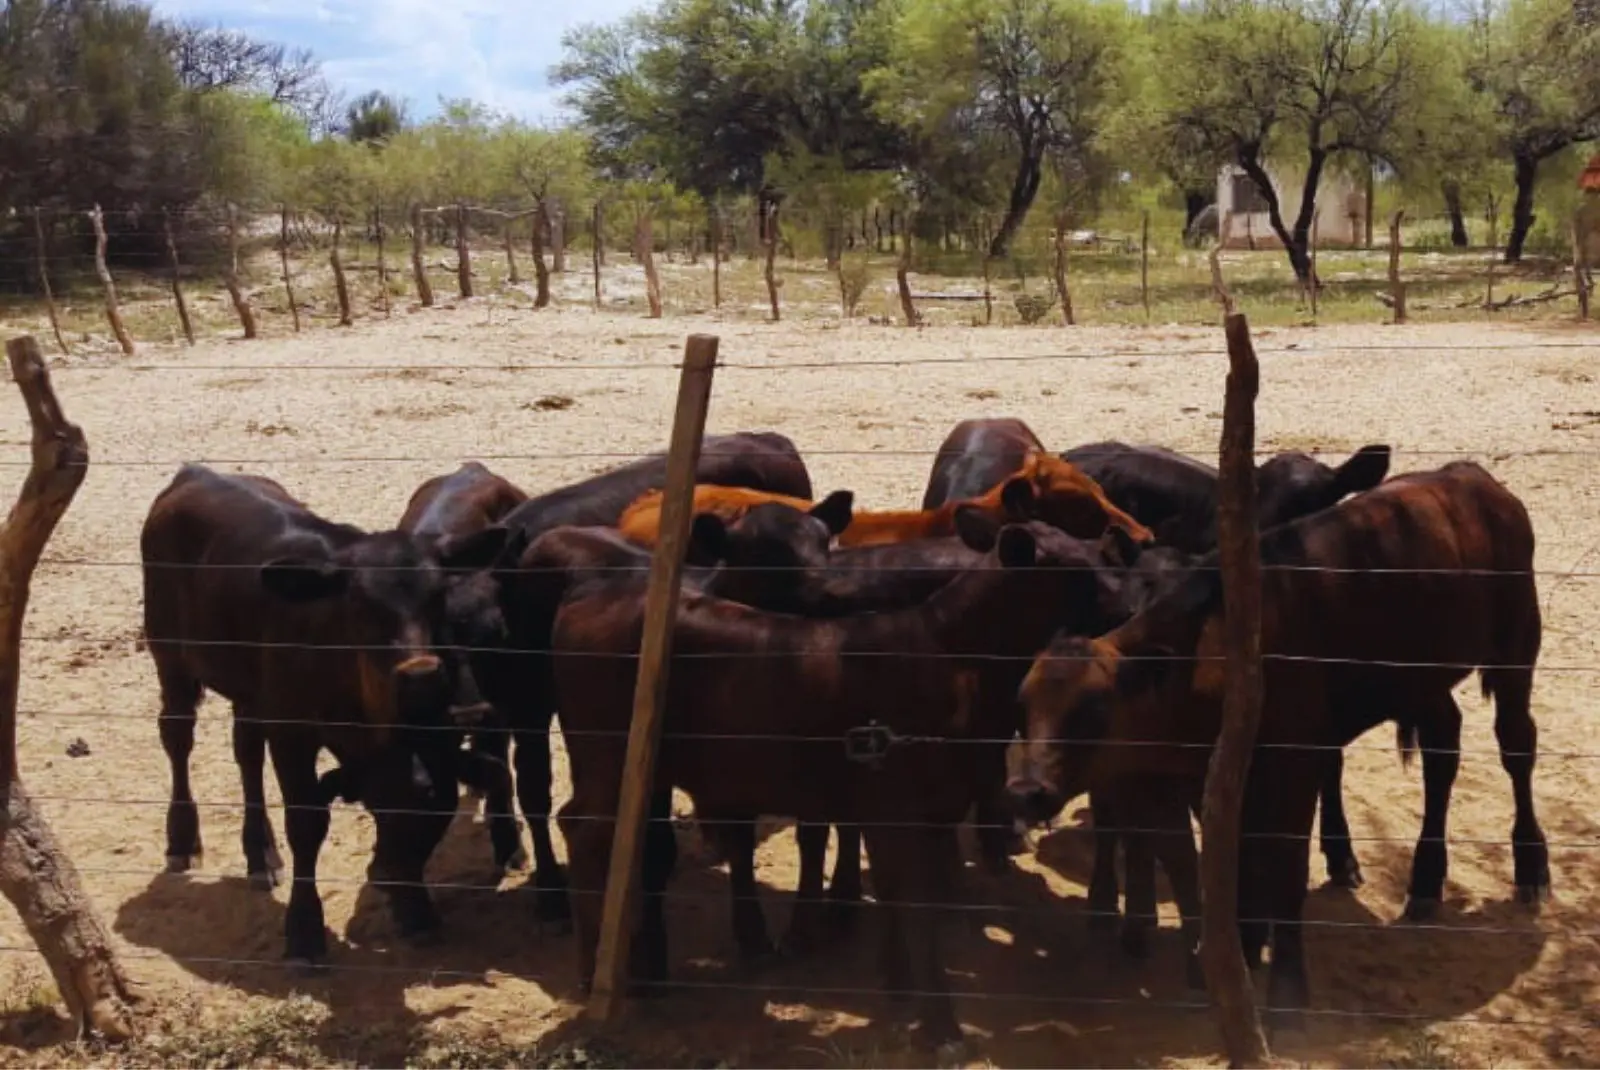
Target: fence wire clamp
(869, 744)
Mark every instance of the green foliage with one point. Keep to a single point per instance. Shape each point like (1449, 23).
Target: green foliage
(375, 118)
(1032, 308)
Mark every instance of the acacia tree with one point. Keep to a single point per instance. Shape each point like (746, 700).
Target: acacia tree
(1043, 75)
(1537, 63)
(1254, 81)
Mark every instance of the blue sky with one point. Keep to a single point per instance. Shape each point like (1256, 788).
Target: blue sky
(494, 51)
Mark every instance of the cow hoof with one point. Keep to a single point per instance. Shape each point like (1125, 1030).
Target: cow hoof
(1345, 873)
(1419, 909)
(1533, 895)
(184, 863)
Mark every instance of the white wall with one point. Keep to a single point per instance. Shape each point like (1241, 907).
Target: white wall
(1336, 199)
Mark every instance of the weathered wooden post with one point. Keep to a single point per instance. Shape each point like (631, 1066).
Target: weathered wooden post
(383, 265)
(770, 271)
(1396, 286)
(541, 274)
(599, 252)
(644, 250)
(419, 267)
(463, 254)
(1316, 280)
(36, 874)
(716, 256)
(43, 251)
(177, 288)
(1062, 290)
(1144, 262)
(650, 690)
(1580, 272)
(902, 277)
(283, 255)
(1218, 286)
(341, 286)
(113, 308)
(512, 276)
(230, 276)
(1239, 550)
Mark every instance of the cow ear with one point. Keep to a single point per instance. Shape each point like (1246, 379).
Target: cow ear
(1016, 547)
(977, 529)
(472, 552)
(708, 540)
(1364, 470)
(1018, 499)
(837, 510)
(296, 579)
(1118, 547)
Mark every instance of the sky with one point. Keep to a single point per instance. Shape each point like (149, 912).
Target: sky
(497, 52)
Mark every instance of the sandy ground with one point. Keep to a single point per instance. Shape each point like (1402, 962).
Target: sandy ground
(352, 421)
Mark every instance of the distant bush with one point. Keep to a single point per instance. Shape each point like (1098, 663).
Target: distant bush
(1034, 307)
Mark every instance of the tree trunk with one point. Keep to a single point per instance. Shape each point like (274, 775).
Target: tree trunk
(716, 256)
(283, 257)
(558, 240)
(1526, 172)
(541, 274)
(35, 873)
(1024, 188)
(644, 250)
(230, 277)
(1295, 241)
(1458, 219)
(341, 286)
(902, 279)
(418, 268)
(43, 249)
(177, 287)
(113, 308)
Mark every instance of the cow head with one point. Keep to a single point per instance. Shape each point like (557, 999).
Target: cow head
(1294, 484)
(1059, 493)
(393, 595)
(771, 548)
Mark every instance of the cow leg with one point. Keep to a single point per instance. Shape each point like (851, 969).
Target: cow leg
(1439, 734)
(1103, 892)
(998, 839)
(294, 760)
(180, 698)
(588, 834)
(737, 839)
(915, 873)
(1518, 737)
(411, 809)
(1343, 869)
(481, 771)
(262, 862)
(1174, 849)
(844, 891)
(492, 742)
(550, 901)
(1139, 864)
(808, 924)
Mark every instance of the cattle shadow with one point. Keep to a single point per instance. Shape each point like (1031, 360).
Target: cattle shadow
(226, 932)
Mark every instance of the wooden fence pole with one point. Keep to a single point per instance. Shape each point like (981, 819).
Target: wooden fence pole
(716, 256)
(558, 239)
(644, 248)
(1220, 288)
(283, 255)
(341, 286)
(177, 288)
(43, 252)
(770, 271)
(1581, 281)
(650, 689)
(1397, 287)
(1063, 292)
(113, 309)
(598, 251)
(1316, 280)
(512, 277)
(36, 874)
(902, 273)
(541, 274)
(230, 277)
(1494, 252)
(988, 291)
(383, 265)
(1144, 262)
(1227, 978)
(463, 254)
(419, 267)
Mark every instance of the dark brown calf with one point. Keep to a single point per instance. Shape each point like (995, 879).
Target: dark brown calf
(824, 688)
(321, 636)
(1371, 611)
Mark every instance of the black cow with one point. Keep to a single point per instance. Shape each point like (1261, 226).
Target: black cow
(321, 636)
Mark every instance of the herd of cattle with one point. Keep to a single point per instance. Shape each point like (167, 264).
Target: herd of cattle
(865, 672)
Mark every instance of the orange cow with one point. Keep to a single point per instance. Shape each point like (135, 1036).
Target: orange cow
(1045, 487)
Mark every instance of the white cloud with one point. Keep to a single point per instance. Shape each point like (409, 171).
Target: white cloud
(497, 52)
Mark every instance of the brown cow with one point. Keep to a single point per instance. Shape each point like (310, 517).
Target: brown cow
(1371, 611)
(825, 693)
(321, 636)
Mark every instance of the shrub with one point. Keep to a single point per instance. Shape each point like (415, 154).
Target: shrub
(854, 278)
(1034, 307)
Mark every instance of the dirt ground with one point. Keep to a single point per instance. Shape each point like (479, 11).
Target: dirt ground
(352, 421)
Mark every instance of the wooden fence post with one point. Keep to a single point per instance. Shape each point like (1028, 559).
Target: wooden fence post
(1494, 252)
(1220, 288)
(1581, 281)
(283, 255)
(558, 239)
(1316, 280)
(177, 288)
(383, 266)
(1227, 977)
(36, 874)
(650, 689)
(988, 291)
(1144, 262)
(463, 254)
(419, 267)
(44, 281)
(716, 256)
(113, 309)
(230, 277)
(512, 277)
(644, 249)
(541, 274)
(1396, 286)
(341, 287)
(770, 271)
(598, 251)
(1062, 290)
(902, 279)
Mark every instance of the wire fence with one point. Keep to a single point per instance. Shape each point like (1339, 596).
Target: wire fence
(986, 990)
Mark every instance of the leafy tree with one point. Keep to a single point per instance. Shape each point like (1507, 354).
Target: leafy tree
(1538, 66)
(374, 118)
(214, 57)
(1259, 81)
(1043, 75)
